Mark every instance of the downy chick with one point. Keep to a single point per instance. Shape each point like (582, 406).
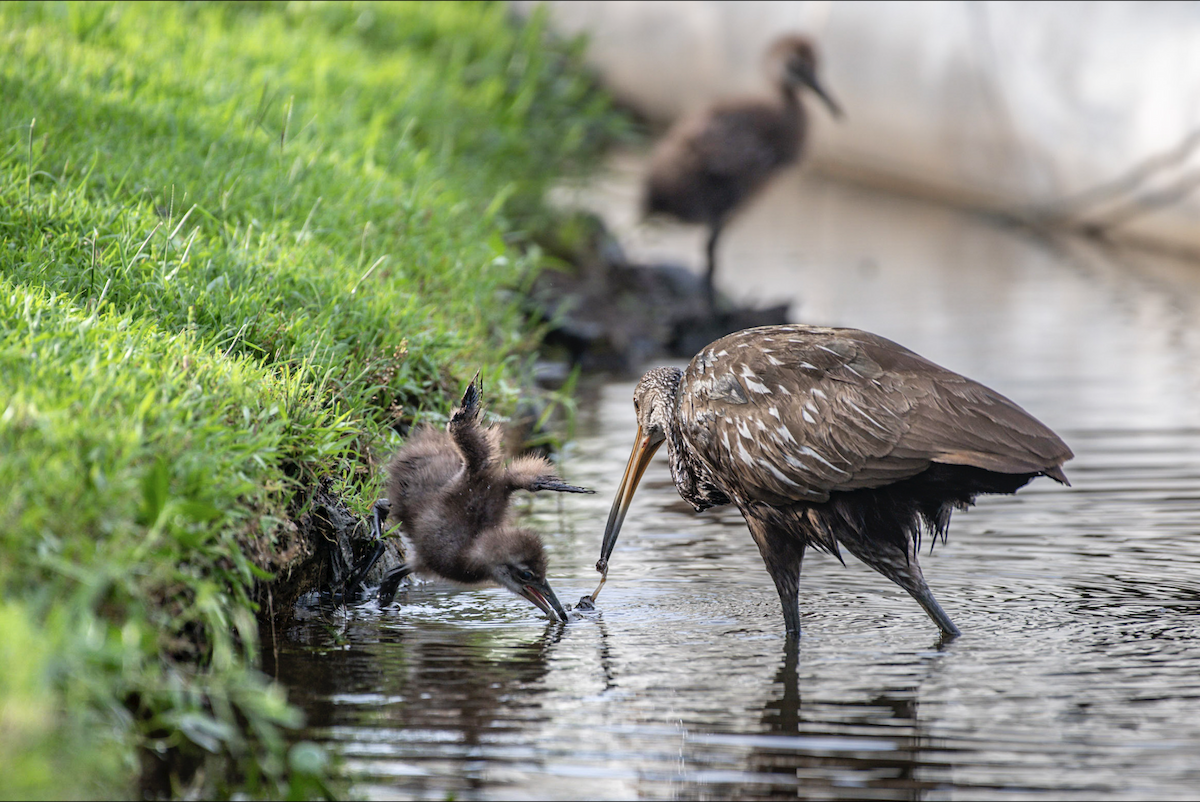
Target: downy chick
(449, 490)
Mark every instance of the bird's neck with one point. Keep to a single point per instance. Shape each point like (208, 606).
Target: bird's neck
(691, 479)
(789, 93)
(683, 474)
(676, 450)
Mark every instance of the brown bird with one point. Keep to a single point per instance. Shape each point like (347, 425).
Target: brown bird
(828, 436)
(709, 163)
(449, 490)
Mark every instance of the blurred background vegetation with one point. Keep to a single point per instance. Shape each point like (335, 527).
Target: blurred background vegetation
(241, 244)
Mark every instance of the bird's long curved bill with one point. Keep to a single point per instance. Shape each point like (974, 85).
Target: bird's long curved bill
(639, 459)
(543, 598)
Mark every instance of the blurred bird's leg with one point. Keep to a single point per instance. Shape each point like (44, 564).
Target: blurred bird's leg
(364, 566)
(783, 553)
(533, 473)
(710, 251)
(903, 569)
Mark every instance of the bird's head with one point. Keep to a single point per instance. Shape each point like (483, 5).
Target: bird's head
(793, 59)
(516, 560)
(654, 403)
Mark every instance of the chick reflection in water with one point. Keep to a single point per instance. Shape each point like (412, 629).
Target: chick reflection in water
(449, 491)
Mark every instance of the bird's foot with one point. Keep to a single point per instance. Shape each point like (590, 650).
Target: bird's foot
(391, 584)
(349, 591)
(468, 408)
(350, 588)
(944, 639)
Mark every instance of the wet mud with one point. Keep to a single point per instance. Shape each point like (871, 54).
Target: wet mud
(609, 314)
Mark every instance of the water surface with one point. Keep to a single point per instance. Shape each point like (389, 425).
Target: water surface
(1078, 674)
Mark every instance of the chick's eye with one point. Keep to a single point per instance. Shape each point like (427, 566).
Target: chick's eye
(525, 575)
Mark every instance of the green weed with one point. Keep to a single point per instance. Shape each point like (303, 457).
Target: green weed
(239, 244)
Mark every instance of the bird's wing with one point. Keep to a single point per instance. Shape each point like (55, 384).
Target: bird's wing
(793, 413)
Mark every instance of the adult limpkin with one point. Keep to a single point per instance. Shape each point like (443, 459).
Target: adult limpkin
(711, 162)
(829, 437)
(450, 490)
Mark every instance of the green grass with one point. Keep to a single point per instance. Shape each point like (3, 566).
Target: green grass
(238, 242)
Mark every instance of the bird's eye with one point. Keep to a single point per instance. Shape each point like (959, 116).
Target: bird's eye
(525, 575)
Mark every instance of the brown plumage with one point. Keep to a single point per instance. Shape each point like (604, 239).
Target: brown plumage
(709, 163)
(828, 436)
(449, 490)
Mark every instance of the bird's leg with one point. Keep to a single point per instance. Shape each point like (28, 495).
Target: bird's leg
(783, 553)
(710, 252)
(787, 583)
(903, 569)
(364, 566)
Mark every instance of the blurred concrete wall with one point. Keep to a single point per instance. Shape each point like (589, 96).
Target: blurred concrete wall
(1008, 105)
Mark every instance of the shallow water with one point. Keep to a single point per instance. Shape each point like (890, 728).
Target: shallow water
(1078, 674)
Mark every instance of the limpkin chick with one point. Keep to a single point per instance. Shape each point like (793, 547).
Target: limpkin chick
(449, 490)
(825, 437)
(710, 163)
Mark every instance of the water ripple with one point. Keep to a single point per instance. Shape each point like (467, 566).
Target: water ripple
(1078, 674)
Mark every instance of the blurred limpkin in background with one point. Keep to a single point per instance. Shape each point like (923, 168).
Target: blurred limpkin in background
(709, 163)
(449, 490)
(827, 436)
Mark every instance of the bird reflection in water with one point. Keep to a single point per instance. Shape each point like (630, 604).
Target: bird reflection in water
(886, 765)
(871, 745)
(420, 700)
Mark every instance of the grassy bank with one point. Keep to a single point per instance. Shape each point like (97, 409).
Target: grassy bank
(238, 242)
